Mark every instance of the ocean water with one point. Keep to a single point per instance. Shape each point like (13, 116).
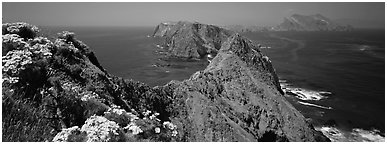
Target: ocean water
(334, 78)
(131, 53)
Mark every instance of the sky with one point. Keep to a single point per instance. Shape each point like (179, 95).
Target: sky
(151, 14)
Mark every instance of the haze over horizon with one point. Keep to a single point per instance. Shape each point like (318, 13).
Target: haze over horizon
(359, 14)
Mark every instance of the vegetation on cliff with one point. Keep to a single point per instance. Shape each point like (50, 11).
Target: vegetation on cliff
(56, 90)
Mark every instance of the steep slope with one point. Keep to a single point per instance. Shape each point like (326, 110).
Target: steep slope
(236, 98)
(54, 87)
(316, 22)
(58, 90)
(191, 40)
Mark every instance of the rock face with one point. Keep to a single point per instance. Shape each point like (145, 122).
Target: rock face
(316, 22)
(57, 89)
(236, 98)
(191, 40)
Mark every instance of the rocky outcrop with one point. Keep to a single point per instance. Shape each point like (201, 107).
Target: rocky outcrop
(316, 22)
(236, 98)
(57, 89)
(191, 40)
(164, 29)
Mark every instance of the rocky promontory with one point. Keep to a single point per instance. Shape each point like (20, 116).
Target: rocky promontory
(56, 90)
(317, 22)
(191, 40)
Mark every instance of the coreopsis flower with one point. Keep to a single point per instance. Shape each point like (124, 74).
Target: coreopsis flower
(20, 27)
(134, 128)
(16, 61)
(157, 130)
(100, 129)
(169, 125)
(147, 113)
(14, 41)
(65, 133)
(174, 133)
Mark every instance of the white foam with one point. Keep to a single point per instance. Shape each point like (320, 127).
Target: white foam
(304, 94)
(332, 133)
(314, 105)
(371, 136)
(357, 134)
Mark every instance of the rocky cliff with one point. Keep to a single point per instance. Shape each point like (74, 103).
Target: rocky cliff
(55, 90)
(316, 22)
(191, 40)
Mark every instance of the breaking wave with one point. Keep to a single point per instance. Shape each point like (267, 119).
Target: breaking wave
(303, 94)
(314, 105)
(356, 135)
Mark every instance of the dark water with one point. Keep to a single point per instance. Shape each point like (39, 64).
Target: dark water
(128, 52)
(348, 65)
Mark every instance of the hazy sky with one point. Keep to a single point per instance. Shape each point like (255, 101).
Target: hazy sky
(150, 14)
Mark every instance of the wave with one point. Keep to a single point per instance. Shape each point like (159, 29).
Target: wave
(314, 105)
(370, 50)
(303, 94)
(357, 134)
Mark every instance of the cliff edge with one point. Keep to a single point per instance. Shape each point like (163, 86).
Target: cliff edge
(57, 89)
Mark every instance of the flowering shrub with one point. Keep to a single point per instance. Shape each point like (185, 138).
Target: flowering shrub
(134, 128)
(85, 95)
(12, 42)
(20, 28)
(120, 116)
(64, 135)
(41, 46)
(100, 129)
(15, 61)
(17, 53)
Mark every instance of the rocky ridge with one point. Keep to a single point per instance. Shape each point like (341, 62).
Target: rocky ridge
(317, 22)
(191, 40)
(57, 88)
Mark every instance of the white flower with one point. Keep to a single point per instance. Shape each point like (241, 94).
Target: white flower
(65, 133)
(134, 128)
(157, 130)
(100, 129)
(16, 60)
(11, 79)
(174, 133)
(169, 125)
(147, 113)
(88, 95)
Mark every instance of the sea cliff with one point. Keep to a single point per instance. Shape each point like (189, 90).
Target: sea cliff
(56, 90)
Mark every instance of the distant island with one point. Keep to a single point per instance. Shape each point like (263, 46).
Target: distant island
(297, 22)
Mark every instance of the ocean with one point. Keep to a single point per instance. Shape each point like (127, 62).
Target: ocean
(336, 79)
